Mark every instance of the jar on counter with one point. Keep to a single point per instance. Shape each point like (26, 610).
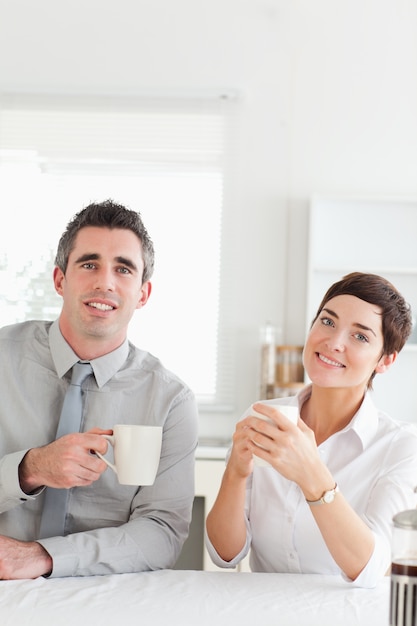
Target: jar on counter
(403, 593)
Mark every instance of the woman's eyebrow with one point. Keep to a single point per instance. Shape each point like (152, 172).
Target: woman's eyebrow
(357, 324)
(330, 312)
(362, 327)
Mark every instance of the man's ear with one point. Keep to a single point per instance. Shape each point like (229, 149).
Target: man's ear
(58, 276)
(385, 362)
(145, 292)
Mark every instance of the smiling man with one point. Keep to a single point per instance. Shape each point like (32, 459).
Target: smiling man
(101, 287)
(103, 268)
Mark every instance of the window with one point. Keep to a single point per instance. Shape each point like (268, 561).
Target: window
(166, 158)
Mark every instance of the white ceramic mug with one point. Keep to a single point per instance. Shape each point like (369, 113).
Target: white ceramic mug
(289, 411)
(137, 450)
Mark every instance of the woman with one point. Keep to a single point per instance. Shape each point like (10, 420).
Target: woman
(336, 478)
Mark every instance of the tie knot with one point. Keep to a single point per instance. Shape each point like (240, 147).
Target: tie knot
(80, 371)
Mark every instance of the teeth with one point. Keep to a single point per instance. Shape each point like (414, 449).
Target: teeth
(101, 307)
(326, 360)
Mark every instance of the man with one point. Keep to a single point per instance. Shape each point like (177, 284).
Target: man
(103, 267)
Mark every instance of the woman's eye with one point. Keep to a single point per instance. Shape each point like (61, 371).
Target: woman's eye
(361, 337)
(326, 321)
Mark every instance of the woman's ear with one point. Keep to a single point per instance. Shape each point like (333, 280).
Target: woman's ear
(385, 362)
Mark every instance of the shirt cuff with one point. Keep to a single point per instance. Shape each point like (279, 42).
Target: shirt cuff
(9, 479)
(376, 567)
(64, 563)
(217, 560)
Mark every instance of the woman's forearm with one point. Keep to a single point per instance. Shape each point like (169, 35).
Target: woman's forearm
(225, 523)
(347, 537)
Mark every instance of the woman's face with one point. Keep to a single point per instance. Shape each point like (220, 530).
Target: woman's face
(345, 343)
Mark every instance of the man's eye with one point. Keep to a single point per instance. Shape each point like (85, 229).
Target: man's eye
(89, 266)
(124, 270)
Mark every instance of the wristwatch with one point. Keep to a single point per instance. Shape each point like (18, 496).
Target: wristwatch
(326, 498)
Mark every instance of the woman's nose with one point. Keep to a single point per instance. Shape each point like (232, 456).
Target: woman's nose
(336, 342)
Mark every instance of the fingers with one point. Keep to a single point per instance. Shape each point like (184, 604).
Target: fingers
(278, 414)
(95, 441)
(241, 455)
(266, 438)
(99, 431)
(68, 462)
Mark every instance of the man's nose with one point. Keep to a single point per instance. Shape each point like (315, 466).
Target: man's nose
(104, 279)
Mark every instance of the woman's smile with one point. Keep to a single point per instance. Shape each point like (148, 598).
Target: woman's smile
(331, 362)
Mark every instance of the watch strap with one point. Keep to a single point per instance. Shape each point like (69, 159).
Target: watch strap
(326, 498)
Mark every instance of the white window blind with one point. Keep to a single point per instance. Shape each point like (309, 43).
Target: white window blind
(165, 157)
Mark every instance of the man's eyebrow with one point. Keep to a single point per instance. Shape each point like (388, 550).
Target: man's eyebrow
(128, 262)
(88, 256)
(93, 256)
(357, 324)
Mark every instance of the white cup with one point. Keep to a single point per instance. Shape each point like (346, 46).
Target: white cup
(289, 411)
(137, 450)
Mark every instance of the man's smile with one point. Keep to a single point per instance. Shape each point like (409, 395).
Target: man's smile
(101, 306)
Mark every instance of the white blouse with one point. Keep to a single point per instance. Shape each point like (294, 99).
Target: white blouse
(374, 462)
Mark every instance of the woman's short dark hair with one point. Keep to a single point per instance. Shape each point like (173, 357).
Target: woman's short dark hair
(106, 214)
(396, 312)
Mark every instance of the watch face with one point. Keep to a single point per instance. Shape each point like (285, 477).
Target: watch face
(328, 497)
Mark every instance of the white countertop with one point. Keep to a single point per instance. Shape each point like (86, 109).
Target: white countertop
(212, 449)
(187, 598)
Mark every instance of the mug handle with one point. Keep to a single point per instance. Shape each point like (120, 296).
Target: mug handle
(110, 438)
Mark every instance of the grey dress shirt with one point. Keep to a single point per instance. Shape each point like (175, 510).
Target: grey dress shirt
(109, 528)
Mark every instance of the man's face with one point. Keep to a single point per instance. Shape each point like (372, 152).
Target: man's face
(101, 288)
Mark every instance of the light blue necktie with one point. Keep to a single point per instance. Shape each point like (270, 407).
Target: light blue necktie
(55, 503)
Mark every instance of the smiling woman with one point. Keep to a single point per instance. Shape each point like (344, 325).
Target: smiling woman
(335, 479)
(165, 157)
(345, 344)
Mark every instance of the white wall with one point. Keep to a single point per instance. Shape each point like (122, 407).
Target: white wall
(328, 104)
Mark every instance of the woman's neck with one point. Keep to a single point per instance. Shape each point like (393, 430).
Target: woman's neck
(328, 411)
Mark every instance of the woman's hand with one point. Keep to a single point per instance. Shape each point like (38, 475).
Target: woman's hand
(289, 448)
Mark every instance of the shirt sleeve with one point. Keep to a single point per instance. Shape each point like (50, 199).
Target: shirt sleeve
(11, 495)
(393, 492)
(159, 519)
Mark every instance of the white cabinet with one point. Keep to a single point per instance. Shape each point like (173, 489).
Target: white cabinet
(376, 235)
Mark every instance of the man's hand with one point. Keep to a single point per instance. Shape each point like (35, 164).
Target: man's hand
(64, 463)
(23, 559)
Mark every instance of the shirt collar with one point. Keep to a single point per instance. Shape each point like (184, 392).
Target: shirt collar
(64, 357)
(365, 421)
